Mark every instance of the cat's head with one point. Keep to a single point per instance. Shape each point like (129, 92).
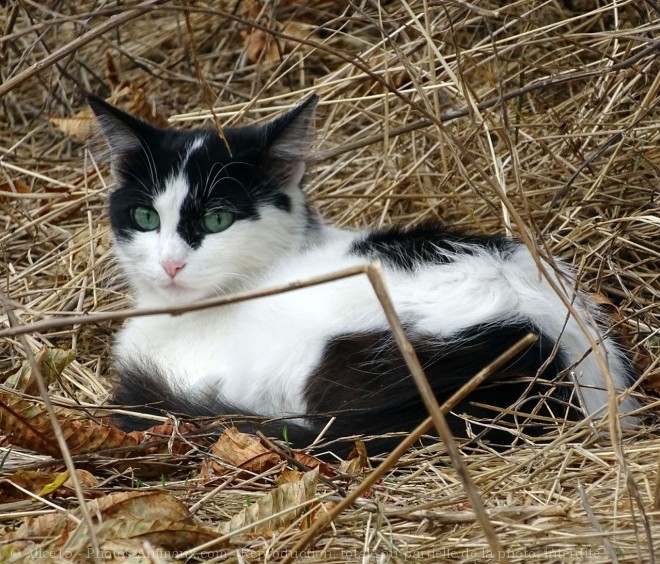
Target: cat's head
(195, 214)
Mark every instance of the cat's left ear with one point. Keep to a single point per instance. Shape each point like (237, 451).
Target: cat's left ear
(286, 141)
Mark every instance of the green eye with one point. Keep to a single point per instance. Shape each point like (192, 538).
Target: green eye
(146, 218)
(217, 221)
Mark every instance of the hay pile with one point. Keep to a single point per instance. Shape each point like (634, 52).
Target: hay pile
(540, 118)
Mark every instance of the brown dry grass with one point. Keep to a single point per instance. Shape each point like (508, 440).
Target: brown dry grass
(538, 117)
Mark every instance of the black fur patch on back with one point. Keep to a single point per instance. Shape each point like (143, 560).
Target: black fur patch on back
(407, 248)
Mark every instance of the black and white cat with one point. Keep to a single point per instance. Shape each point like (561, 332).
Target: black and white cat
(196, 216)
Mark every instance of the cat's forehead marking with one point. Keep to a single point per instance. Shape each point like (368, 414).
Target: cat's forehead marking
(193, 146)
(168, 203)
(198, 143)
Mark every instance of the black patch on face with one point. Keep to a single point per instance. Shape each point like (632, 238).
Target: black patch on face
(363, 379)
(220, 181)
(238, 183)
(141, 175)
(427, 243)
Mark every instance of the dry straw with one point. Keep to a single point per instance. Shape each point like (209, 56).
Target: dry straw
(537, 118)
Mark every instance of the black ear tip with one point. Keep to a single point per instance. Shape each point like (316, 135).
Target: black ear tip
(311, 100)
(97, 103)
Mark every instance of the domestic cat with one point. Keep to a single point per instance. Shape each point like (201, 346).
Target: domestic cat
(196, 214)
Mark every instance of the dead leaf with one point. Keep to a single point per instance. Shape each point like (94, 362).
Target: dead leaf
(652, 382)
(150, 506)
(46, 526)
(139, 105)
(255, 41)
(41, 483)
(244, 451)
(174, 536)
(154, 516)
(261, 46)
(87, 480)
(80, 126)
(26, 424)
(277, 508)
(51, 363)
(357, 460)
(13, 187)
(31, 480)
(312, 462)
(288, 476)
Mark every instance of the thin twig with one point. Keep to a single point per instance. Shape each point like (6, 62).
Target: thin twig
(299, 465)
(611, 553)
(46, 325)
(59, 54)
(451, 115)
(377, 279)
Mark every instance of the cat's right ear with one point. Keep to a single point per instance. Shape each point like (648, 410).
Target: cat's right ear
(125, 135)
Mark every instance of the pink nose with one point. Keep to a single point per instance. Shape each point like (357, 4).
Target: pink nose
(172, 267)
